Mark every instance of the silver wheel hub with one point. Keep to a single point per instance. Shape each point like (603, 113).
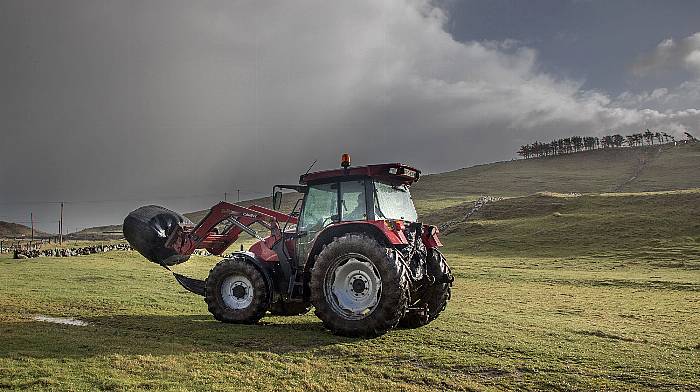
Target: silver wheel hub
(237, 292)
(353, 287)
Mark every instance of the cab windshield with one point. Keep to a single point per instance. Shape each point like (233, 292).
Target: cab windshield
(393, 202)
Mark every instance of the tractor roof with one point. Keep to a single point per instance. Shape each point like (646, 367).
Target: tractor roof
(392, 172)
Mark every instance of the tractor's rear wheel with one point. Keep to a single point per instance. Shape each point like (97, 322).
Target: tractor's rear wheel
(236, 292)
(432, 298)
(357, 288)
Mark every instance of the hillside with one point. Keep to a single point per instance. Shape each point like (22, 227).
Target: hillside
(636, 169)
(13, 230)
(663, 227)
(288, 201)
(98, 233)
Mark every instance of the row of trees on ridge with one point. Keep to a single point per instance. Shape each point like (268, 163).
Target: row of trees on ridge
(582, 143)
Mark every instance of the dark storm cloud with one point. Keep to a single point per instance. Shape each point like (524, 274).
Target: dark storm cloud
(148, 100)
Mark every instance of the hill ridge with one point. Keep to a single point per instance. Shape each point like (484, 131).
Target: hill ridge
(12, 230)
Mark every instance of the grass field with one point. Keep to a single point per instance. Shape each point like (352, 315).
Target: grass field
(552, 291)
(521, 323)
(525, 314)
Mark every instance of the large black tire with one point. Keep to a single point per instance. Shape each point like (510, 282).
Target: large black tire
(392, 294)
(289, 308)
(235, 292)
(433, 297)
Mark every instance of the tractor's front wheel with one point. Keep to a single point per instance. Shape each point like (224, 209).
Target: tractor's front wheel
(236, 292)
(357, 289)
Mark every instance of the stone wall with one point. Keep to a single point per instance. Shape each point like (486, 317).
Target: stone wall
(68, 252)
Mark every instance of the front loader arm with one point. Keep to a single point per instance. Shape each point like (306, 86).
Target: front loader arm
(185, 240)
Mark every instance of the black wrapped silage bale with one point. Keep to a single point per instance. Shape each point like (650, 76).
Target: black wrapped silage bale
(147, 228)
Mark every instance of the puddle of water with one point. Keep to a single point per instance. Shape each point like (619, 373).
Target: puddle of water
(61, 320)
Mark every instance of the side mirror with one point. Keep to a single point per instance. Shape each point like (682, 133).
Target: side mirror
(276, 200)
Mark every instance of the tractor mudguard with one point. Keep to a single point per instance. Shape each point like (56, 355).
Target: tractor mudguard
(379, 227)
(267, 269)
(375, 229)
(272, 272)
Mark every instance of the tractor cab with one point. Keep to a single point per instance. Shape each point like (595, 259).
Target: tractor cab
(344, 199)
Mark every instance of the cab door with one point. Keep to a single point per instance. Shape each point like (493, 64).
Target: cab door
(319, 210)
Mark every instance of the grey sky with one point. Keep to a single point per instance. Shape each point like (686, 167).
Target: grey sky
(111, 104)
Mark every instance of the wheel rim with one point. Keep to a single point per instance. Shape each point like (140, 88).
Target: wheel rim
(237, 292)
(353, 287)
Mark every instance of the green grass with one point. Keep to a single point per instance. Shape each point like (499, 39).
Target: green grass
(672, 168)
(661, 228)
(591, 292)
(595, 292)
(513, 323)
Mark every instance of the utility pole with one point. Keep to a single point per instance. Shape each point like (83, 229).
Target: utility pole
(31, 218)
(60, 227)
(239, 195)
(225, 194)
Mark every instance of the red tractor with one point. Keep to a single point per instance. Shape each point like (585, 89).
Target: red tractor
(354, 250)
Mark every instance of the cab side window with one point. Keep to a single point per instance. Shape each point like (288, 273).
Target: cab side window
(320, 207)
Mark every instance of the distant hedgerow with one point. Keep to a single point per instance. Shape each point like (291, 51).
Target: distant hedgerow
(584, 143)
